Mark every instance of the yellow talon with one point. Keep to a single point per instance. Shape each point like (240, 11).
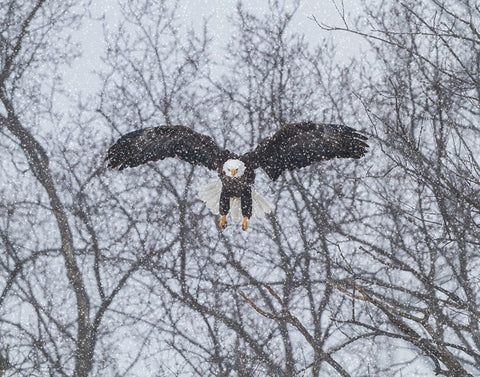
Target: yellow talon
(245, 223)
(223, 221)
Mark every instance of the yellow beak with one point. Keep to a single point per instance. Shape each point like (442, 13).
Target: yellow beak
(233, 171)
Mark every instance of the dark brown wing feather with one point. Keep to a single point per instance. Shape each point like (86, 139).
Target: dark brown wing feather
(156, 143)
(301, 144)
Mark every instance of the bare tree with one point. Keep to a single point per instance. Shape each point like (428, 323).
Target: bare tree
(364, 268)
(55, 292)
(29, 42)
(201, 319)
(420, 282)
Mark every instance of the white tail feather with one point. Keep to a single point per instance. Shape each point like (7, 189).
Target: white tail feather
(210, 194)
(236, 210)
(260, 206)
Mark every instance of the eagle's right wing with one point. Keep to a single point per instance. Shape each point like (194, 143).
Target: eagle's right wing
(156, 143)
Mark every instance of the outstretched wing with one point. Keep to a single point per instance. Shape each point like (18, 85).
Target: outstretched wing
(298, 145)
(156, 143)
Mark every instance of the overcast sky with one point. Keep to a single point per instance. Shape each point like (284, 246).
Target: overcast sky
(192, 13)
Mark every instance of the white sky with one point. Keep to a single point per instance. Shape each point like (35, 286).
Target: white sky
(80, 76)
(218, 11)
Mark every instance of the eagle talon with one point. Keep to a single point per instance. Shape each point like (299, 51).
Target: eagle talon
(223, 222)
(245, 223)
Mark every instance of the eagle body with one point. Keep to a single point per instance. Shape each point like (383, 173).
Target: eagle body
(239, 187)
(293, 146)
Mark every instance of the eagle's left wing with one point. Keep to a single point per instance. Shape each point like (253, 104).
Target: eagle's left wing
(156, 143)
(301, 144)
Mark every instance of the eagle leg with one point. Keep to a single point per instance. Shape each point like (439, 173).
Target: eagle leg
(246, 203)
(223, 222)
(245, 223)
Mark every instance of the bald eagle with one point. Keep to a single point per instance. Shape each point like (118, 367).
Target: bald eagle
(293, 146)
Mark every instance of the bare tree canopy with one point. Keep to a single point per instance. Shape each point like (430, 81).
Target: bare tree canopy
(366, 267)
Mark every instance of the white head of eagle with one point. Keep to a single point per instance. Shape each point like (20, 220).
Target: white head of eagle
(293, 146)
(234, 168)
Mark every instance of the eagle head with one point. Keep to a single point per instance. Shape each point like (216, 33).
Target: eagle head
(234, 168)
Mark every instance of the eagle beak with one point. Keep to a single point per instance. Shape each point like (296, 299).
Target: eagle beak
(233, 171)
